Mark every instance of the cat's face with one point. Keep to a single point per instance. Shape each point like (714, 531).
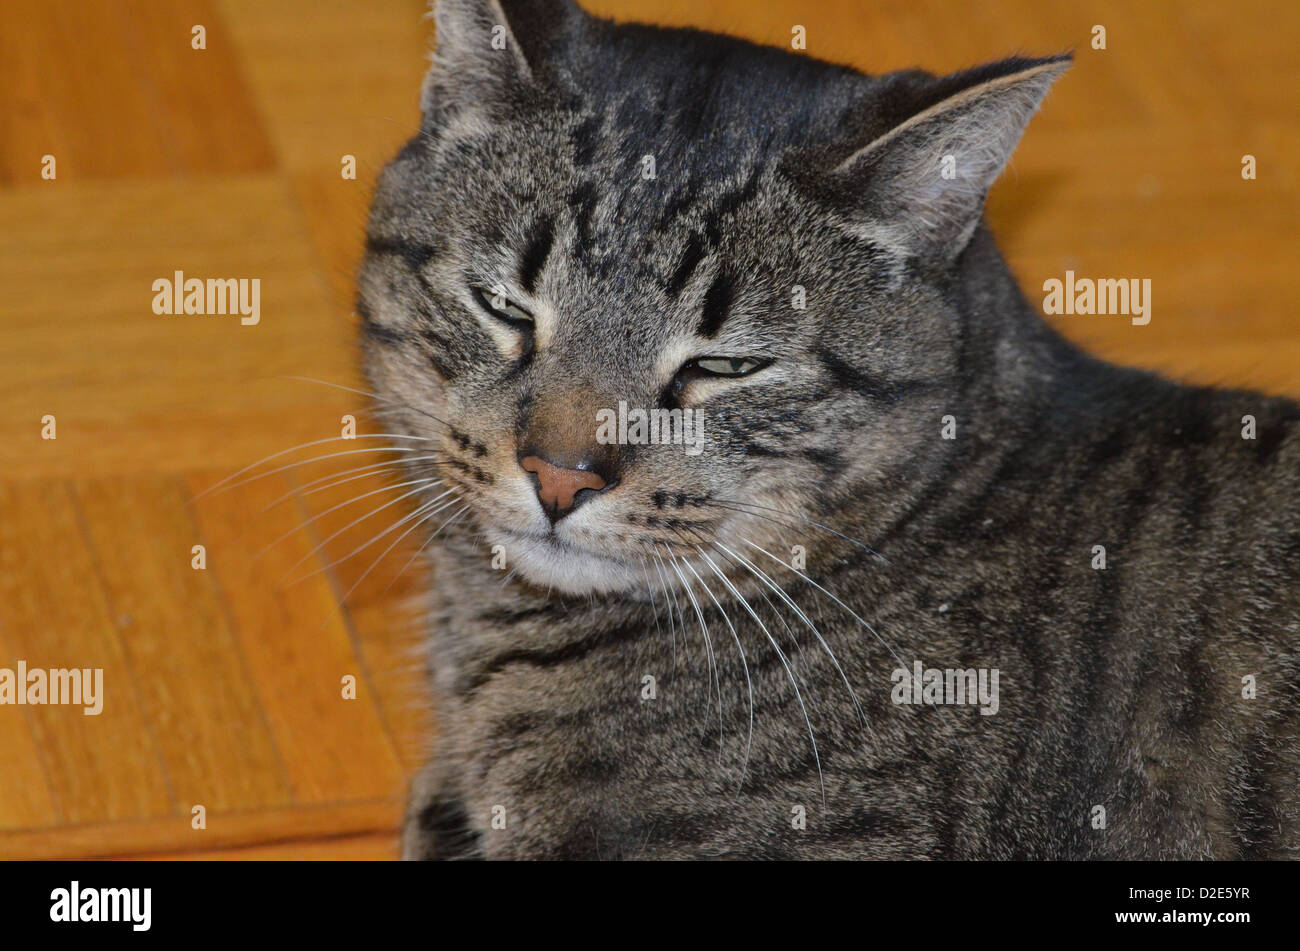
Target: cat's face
(544, 264)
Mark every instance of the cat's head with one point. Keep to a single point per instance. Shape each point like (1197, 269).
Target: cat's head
(596, 220)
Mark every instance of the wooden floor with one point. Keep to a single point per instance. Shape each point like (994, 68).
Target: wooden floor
(223, 685)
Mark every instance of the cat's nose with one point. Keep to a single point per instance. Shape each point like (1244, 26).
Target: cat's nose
(560, 489)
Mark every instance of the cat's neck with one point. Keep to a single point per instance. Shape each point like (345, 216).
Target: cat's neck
(1019, 368)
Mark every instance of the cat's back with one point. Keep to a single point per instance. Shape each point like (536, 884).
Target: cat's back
(1189, 509)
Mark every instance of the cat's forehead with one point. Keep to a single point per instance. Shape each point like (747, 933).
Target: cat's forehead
(712, 97)
(624, 224)
(660, 134)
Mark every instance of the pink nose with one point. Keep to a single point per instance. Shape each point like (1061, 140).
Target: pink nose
(558, 488)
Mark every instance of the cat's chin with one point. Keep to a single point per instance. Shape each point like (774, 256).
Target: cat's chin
(549, 563)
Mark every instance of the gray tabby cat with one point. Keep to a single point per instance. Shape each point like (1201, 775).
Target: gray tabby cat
(642, 652)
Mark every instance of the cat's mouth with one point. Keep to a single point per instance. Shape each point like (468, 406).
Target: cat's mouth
(547, 560)
(554, 542)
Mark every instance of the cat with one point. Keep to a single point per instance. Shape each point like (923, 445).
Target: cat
(636, 652)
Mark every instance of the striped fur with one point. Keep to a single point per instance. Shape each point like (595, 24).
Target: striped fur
(1119, 688)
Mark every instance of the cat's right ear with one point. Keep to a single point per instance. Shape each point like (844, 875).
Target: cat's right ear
(489, 54)
(920, 186)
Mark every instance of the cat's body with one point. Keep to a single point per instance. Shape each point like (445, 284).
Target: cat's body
(1120, 687)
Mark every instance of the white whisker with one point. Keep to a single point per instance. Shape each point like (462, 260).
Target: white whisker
(419, 488)
(356, 584)
(373, 396)
(749, 741)
(302, 462)
(423, 509)
(344, 504)
(708, 644)
(798, 694)
(372, 468)
(401, 571)
(766, 579)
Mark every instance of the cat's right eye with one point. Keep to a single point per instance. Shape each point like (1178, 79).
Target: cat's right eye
(503, 309)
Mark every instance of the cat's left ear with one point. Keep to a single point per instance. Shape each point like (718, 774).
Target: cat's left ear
(489, 53)
(922, 184)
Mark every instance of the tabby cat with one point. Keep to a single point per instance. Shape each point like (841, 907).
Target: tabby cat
(640, 651)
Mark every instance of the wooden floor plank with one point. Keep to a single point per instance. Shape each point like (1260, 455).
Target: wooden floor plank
(289, 827)
(27, 798)
(54, 615)
(381, 587)
(360, 97)
(126, 96)
(296, 643)
(367, 847)
(193, 679)
(136, 391)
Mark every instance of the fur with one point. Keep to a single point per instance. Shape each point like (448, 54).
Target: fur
(1120, 688)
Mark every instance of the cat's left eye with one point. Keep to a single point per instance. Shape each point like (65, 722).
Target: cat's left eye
(500, 307)
(727, 366)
